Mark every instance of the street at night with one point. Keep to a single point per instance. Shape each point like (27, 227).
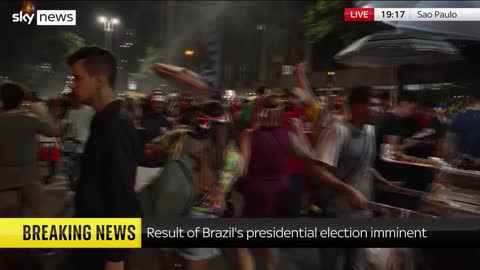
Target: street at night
(249, 135)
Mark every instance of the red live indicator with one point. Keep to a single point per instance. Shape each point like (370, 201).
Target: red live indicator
(359, 14)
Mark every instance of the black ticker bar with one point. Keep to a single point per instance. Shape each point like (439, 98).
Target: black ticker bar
(311, 232)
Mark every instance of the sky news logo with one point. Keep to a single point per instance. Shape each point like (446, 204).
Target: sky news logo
(47, 17)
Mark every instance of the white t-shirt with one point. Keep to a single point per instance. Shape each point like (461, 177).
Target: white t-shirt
(79, 123)
(348, 153)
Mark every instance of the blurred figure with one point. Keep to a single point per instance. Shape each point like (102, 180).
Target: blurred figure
(344, 154)
(187, 118)
(379, 105)
(425, 142)
(464, 130)
(132, 107)
(295, 109)
(154, 121)
(248, 116)
(346, 151)
(391, 128)
(333, 111)
(105, 187)
(385, 102)
(266, 150)
(77, 129)
(18, 161)
(217, 165)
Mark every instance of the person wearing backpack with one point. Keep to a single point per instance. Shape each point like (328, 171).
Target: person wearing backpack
(202, 169)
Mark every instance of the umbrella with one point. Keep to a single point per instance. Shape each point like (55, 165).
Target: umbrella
(184, 79)
(454, 29)
(396, 48)
(135, 95)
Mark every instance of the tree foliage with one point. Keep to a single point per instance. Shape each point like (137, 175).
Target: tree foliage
(326, 18)
(48, 46)
(152, 55)
(328, 33)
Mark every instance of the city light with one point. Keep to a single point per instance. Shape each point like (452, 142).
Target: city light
(115, 21)
(189, 52)
(28, 7)
(331, 73)
(102, 19)
(261, 27)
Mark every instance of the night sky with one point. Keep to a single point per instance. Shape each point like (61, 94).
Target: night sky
(132, 14)
(147, 18)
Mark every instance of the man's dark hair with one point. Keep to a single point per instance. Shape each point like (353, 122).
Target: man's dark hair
(384, 95)
(187, 116)
(12, 95)
(474, 92)
(359, 94)
(407, 96)
(427, 101)
(261, 90)
(97, 60)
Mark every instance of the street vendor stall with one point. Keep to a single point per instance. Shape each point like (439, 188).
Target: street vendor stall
(455, 191)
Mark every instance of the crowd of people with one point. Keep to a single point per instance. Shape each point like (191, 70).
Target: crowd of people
(287, 155)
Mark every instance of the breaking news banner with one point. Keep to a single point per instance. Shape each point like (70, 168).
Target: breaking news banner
(301, 232)
(70, 233)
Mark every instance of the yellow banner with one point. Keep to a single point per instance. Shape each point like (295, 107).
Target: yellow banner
(70, 233)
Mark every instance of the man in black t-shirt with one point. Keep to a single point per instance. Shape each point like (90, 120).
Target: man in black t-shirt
(423, 144)
(391, 127)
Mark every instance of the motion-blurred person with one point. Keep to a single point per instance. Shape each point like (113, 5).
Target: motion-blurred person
(295, 109)
(217, 165)
(18, 161)
(385, 102)
(333, 111)
(77, 129)
(154, 121)
(266, 187)
(464, 130)
(132, 107)
(105, 187)
(248, 116)
(392, 128)
(425, 142)
(344, 154)
(48, 147)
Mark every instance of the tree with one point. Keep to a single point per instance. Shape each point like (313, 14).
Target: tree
(43, 46)
(152, 55)
(326, 18)
(327, 31)
(56, 47)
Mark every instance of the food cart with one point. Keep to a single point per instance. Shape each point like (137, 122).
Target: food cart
(455, 191)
